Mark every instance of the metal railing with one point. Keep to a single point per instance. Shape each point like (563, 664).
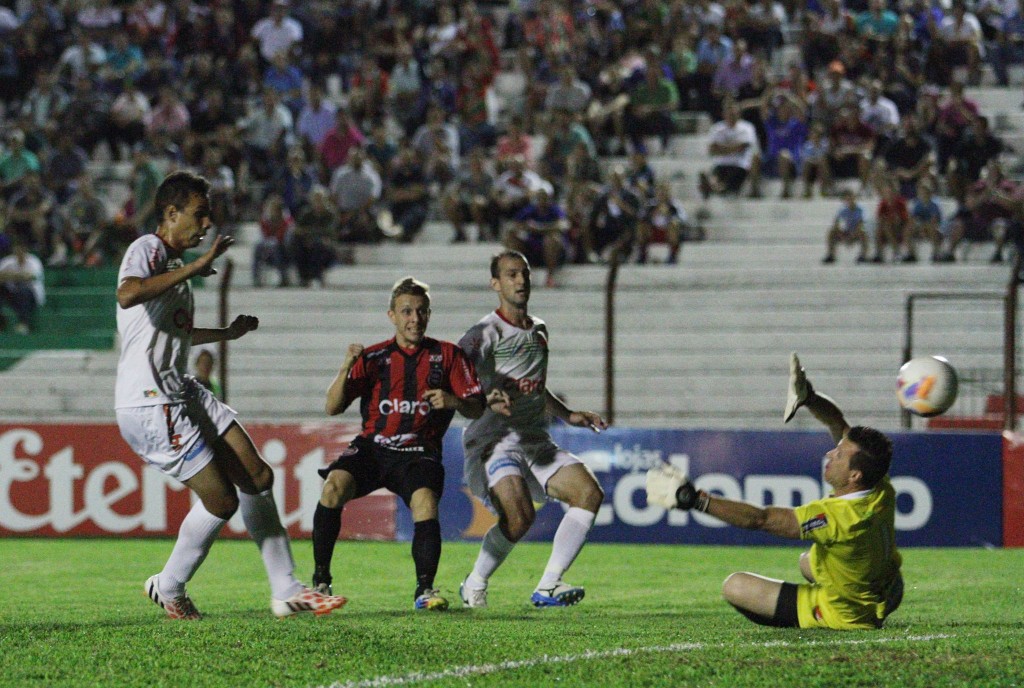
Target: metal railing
(223, 289)
(1009, 299)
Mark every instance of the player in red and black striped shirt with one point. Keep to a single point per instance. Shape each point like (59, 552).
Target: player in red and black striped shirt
(409, 388)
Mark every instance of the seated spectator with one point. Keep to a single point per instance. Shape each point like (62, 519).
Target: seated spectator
(21, 286)
(847, 229)
(515, 141)
(381, 148)
(285, 79)
(822, 33)
(294, 181)
(832, 94)
(313, 246)
(569, 93)
(734, 72)
(513, 190)
(880, 114)
(786, 132)
(564, 133)
(30, 215)
(316, 119)
(124, 60)
(976, 147)
(406, 195)
(277, 32)
(987, 214)
(437, 143)
(86, 115)
(954, 114)
(222, 189)
(203, 371)
(712, 49)
(640, 176)
(1008, 46)
(339, 141)
(475, 129)
(85, 219)
(909, 158)
(276, 226)
(612, 228)
(469, 200)
(877, 25)
(925, 222)
(651, 104)
(16, 163)
(664, 221)
(127, 121)
(957, 41)
(405, 88)
(814, 158)
(850, 148)
(735, 156)
(368, 91)
(682, 61)
(540, 233)
(355, 189)
(267, 132)
(169, 119)
(65, 165)
(891, 218)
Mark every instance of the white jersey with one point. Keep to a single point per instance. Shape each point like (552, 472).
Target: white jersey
(156, 335)
(516, 360)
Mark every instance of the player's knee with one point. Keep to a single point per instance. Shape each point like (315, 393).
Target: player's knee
(222, 506)
(262, 478)
(590, 498)
(333, 495)
(517, 522)
(732, 588)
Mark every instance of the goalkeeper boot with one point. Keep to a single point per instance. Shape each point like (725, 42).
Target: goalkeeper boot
(179, 607)
(474, 598)
(561, 594)
(307, 600)
(431, 600)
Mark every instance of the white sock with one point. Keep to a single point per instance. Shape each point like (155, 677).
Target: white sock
(259, 512)
(493, 551)
(569, 540)
(195, 537)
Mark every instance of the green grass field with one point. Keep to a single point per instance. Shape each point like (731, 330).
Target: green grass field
(72, 613)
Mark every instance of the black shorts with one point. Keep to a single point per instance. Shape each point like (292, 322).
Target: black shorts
(731, 176)
(785, 609)
(401, 471)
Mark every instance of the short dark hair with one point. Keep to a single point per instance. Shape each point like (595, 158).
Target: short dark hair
(409, 285)
(498, 257)
(177, 188)
(874, 454)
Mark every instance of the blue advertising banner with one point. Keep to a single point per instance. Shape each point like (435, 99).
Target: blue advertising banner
(948, 484)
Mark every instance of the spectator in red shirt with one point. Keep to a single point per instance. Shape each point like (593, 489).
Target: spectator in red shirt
(276, 226)
(340, 140)
(891, 217)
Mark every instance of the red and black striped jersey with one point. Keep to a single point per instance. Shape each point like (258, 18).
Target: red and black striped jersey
(390, 383)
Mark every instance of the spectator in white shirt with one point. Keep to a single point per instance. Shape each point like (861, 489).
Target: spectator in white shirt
(277, 32)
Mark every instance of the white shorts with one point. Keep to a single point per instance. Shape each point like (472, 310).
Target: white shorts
(177, 439)
(536, 460)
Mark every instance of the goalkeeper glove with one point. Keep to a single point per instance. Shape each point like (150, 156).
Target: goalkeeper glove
(800, 388)
(669, 487)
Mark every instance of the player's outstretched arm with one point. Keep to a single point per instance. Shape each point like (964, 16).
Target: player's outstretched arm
(135, 290)
(801, 393)
(669, 487)
(470, 407)
(241, 326)
(336, 401)
(580, 419)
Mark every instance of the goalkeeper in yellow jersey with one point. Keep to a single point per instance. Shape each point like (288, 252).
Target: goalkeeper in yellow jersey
(852, 567)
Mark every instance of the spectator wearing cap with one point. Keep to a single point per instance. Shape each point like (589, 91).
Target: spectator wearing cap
(277, 32)
(832, 94)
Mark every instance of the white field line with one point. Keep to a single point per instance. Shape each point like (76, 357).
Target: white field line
(482, 669)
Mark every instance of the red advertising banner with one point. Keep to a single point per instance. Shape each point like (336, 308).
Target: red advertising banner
(82, 479)
(1013, 489)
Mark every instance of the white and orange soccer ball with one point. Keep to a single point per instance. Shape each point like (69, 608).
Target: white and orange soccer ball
(926, 385)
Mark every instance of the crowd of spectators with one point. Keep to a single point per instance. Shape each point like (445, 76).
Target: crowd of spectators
(336, 123)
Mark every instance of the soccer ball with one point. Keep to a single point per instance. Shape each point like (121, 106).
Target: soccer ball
(926, 386)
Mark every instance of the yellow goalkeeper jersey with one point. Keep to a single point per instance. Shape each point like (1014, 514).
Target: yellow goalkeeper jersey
(854, 559)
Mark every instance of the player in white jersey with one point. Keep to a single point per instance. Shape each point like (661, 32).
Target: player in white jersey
(175, 424)
(511, 461)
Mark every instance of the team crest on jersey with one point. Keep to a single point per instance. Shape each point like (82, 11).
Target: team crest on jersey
(436, 358)
(150, 393)
(814, 523)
